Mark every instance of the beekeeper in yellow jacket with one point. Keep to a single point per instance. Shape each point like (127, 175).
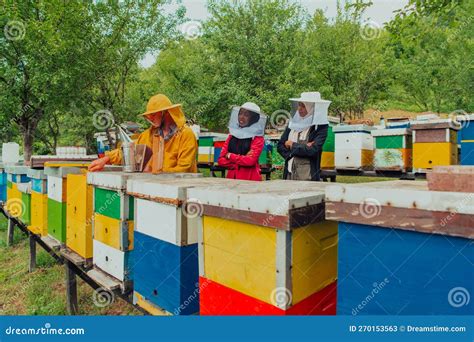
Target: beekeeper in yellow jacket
(167, 120)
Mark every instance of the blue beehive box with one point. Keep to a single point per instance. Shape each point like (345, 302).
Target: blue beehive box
(166, 274)
(3, 186)
(402, 249)
(467, 153)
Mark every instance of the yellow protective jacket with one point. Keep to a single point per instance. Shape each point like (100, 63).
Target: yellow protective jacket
(180, 150)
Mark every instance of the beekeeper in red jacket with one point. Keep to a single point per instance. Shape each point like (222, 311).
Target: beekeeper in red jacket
(245, 142)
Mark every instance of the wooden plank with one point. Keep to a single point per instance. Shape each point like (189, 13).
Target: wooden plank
(53, 244)
(451, 178)
(103, 279)
(75, 258)
(432, 136)
(425, 221)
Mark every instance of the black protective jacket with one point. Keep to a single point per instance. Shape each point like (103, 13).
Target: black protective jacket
(313, 152)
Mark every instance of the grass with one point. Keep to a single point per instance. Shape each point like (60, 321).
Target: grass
(43, 291)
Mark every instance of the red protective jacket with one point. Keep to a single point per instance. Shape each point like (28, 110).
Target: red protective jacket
(243, 167)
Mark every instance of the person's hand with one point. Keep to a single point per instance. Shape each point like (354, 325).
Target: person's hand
(289, 144)
(310, 143)
(98, 164)
(227, 156)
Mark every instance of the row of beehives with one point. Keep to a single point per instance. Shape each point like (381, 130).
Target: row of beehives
(419, 147)
(187, 244)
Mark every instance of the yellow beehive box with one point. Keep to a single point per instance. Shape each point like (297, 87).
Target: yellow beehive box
(427, 155)
(109, 230)
(327, 160)
(265, 239)
(39, 213)
(79, 215)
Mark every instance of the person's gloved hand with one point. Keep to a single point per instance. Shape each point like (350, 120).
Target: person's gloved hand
(98, 164)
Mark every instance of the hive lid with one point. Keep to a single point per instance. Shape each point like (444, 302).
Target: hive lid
(408, 205)
(173, 186)
(63, 171)
(353, 128)
(117, 180)
(391, 132)
(36, 173)
(435, 124)
(279, 204)
(16, 169)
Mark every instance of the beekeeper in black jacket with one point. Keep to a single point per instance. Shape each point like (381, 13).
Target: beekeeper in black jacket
(301, 145)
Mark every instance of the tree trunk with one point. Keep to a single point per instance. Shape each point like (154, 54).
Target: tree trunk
(28, 138)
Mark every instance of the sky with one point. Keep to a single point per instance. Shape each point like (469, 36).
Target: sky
(380, 12)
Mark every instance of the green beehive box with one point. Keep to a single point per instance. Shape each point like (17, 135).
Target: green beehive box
(25, 215)
(329, 144)
(107, 202)
(206, 141)
(57, 220)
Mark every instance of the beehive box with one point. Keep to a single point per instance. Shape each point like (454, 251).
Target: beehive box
(25, 190)
(265, 248)
(327, 157)
(466, 139)
(354, 147)
(16, 175)
(113, 221)
(393, 149)
(403, 250)
(434, 143)
(57, 197)
(165, 257)
(39, 202)
(205, 149)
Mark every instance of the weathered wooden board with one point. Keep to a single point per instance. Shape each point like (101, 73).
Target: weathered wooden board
(435, 135)
(451, 178)
(393, 159)
(406, 205)
(388, 272)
